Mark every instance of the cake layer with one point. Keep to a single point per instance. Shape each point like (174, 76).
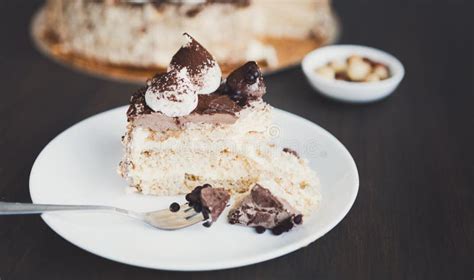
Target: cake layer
(186, 153)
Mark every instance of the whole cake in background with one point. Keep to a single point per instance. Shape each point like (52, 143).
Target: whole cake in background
(140, 37)
(189, 127)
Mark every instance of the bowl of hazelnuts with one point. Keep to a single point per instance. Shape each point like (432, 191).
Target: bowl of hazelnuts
(353, 73)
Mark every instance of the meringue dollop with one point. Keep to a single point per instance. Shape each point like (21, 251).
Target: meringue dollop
(202, 68)
(172, 94)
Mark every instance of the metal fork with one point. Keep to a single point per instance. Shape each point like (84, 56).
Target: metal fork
(162, 219)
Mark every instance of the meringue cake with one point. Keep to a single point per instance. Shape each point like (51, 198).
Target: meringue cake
(139, 36)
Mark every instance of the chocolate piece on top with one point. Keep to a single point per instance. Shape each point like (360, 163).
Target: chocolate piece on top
(246, 83)
(214, 104)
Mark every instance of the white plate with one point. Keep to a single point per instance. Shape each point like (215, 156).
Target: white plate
(79, 167)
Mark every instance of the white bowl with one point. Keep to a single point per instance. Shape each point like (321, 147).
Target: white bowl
(350, 91)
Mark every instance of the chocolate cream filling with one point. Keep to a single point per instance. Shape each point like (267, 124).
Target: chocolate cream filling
(214, 108)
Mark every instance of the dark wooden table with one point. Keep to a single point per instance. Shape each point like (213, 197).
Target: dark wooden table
(414, 215)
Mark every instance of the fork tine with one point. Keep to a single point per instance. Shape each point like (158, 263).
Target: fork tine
(195, 219)
(194, 213)
(177, 223)
(165, 219)
(166, 214)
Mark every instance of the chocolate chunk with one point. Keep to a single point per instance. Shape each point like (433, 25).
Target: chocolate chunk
(210, 201)
(174, 207)
(246, 83)
(298, 219)
(284, 226)
(291, 151)
(216, 104)
(261, 208)
(205, 213)
(277, 231)
(264, 198)
(214, 200)
(260, 218)
(198, 208)
(260, 229)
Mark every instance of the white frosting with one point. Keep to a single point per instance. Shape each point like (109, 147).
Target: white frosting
(209, 80)
(175, 99)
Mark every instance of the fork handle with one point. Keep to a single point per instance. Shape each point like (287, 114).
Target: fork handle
(12, 208)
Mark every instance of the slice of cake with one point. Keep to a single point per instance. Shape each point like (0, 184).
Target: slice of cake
(186, 128)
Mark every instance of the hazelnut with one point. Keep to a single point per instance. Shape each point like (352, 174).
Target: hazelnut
(354, 58)
(381, 71)
(327, 72)
(338, 65)
(358, 69)
(372, 77)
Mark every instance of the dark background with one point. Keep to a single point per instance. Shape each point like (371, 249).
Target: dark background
(414, 215)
